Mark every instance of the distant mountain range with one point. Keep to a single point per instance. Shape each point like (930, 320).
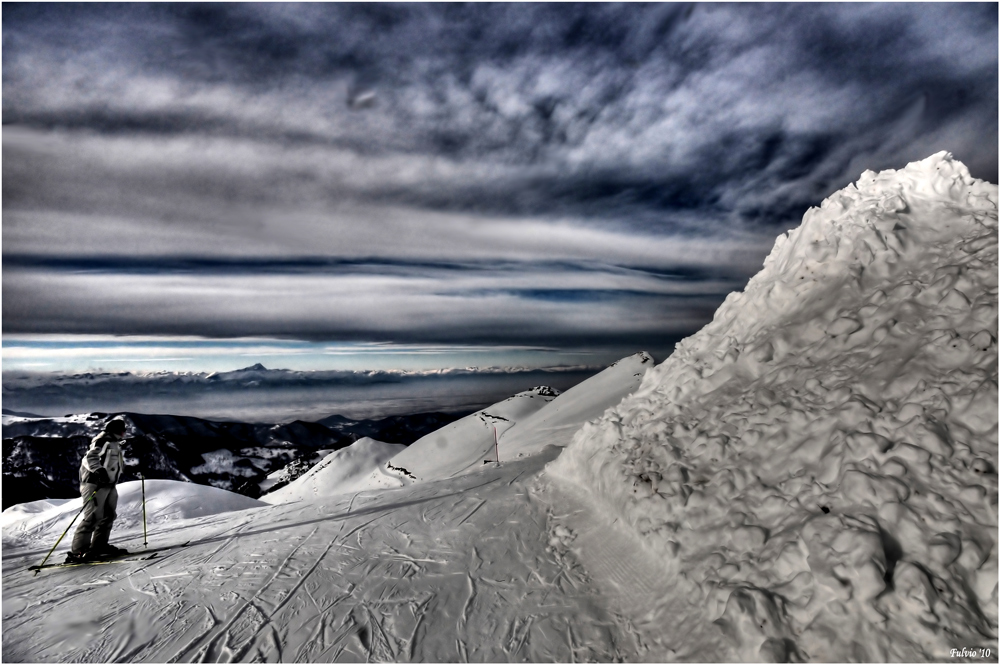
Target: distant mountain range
(41, 455)
(19, 382)
(259, 394)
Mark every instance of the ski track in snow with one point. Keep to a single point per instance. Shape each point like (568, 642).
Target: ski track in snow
(318, 583)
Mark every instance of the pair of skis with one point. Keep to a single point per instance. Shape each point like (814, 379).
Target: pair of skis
(144, 555)
(92, 496)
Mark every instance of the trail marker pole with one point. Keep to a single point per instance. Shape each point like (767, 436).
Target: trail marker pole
(89, 498)
(496, 445)
(143, 480)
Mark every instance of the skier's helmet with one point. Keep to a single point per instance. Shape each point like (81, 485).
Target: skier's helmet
(116, 426)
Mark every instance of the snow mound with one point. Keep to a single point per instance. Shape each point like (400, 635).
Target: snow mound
(459, 447)
(557, 421)
(816, 468)
(167, 501)
(340, 472)
(26, 511)
(521, 425)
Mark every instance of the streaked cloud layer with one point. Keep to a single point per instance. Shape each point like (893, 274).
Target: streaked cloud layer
(592, 176)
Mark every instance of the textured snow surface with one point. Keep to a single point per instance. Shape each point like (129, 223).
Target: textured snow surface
(816, 469)
(461, 570)
(472, 567)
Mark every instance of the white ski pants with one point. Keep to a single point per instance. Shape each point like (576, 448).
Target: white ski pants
(98, 517)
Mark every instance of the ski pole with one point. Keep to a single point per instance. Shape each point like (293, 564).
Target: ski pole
(66, 531)
(143, 479)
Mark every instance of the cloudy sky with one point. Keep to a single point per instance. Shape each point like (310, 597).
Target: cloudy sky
(376, 186)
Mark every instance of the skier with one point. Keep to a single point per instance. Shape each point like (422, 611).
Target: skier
(100, 470)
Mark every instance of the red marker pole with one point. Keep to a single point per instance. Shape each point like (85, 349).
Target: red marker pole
(143, 479)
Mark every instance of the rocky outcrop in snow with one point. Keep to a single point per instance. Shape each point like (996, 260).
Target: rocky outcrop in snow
(339, 472)
(816, 468)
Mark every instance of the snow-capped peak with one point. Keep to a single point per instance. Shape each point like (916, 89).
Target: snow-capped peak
(816, 466)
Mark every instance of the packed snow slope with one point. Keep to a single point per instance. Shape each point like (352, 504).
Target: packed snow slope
(464, 569)
(465, 564)
(816, 468)
(467, 443)
(521, 425)
(557, 421)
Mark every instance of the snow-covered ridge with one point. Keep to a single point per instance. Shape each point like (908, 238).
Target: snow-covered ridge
(563, 416)
(339, 472)
(519, 426)
(459, 447)
(816, 467)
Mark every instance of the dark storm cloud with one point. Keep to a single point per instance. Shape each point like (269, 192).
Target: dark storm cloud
(672, 137)
(614, 110)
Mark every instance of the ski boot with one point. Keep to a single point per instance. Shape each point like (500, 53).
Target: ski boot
(107, 552)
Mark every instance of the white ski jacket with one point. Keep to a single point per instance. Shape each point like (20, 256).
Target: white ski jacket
(104, 453)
